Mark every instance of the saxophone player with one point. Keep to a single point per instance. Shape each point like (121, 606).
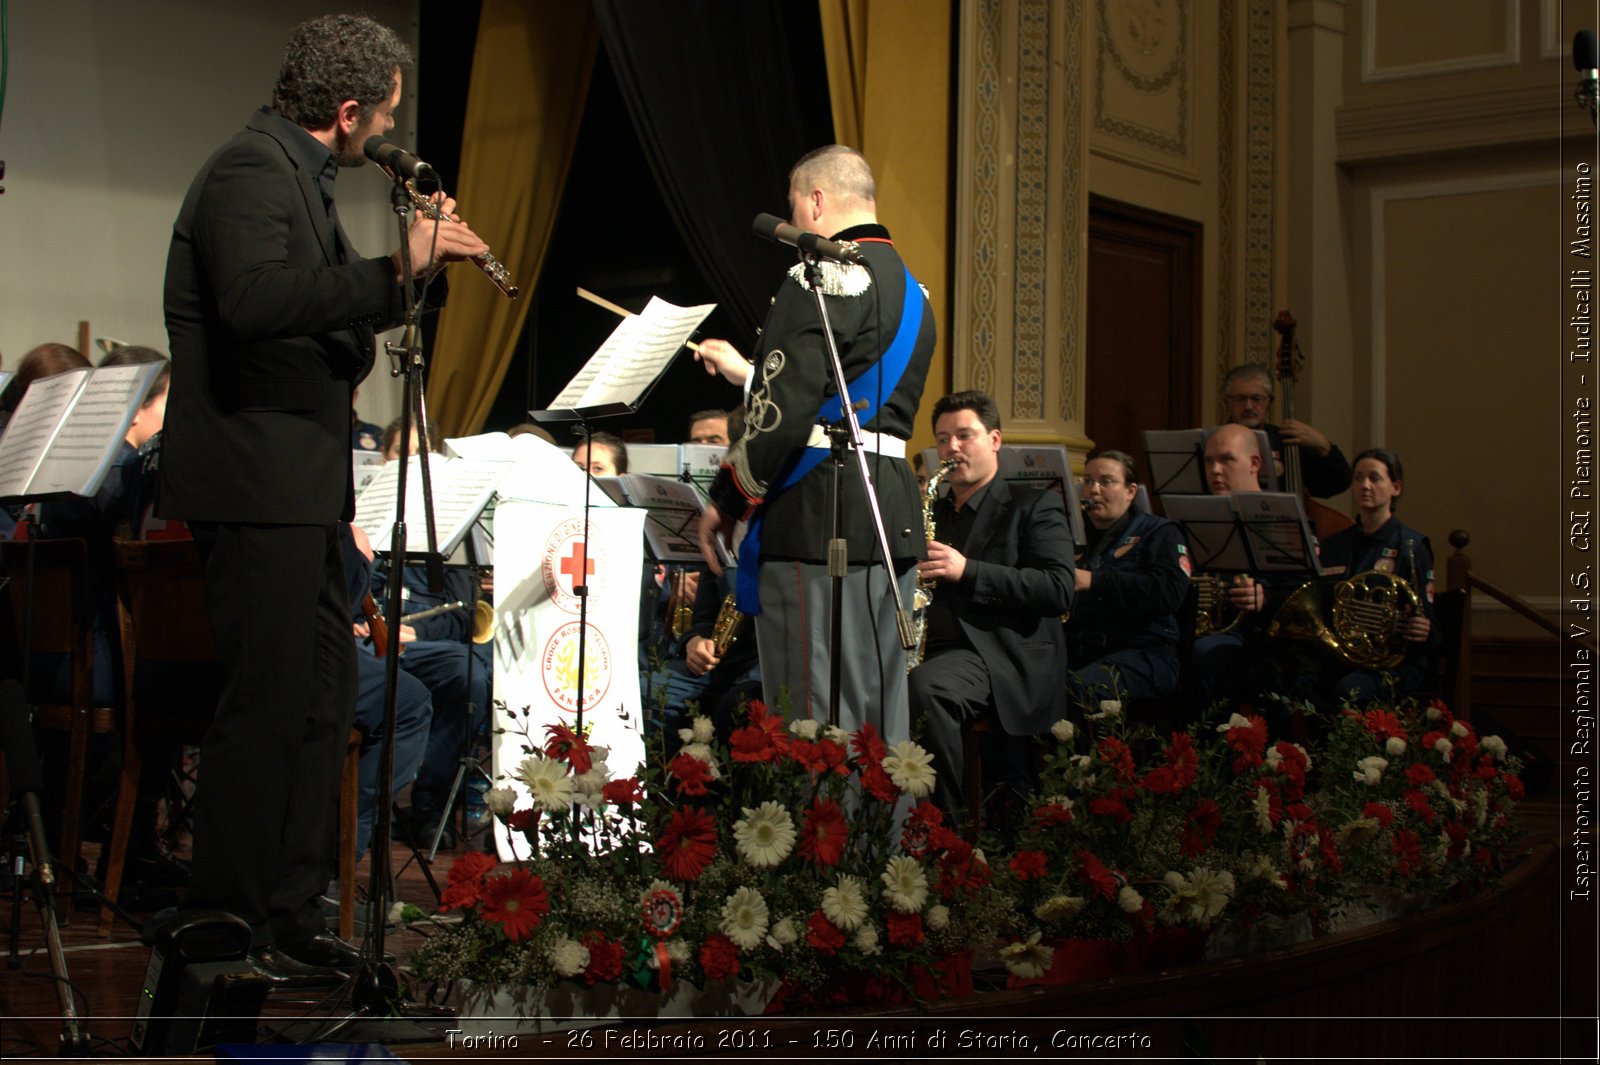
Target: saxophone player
(1001, 563)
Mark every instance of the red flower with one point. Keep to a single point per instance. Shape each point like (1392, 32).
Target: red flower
(719, 957)
(1431, 738)
(517, 903)
(1115, 753)
(917, 837)
(904, 929)
(524, 821)
(1420, 775)
(822, 934)
(1377, 810)
(761, 740)
(624, 791)
(1183, 765)
(1097, 875)
(1383, 724)
(1249, 741)
(689, 843)
(691, 774)
(465, 888)
(819, 756)
(1292, 764)
(567, 745)
(1200, 827)
(960, 870)
(878, 784)
(1107, 806)
(1052, 814)
(1458, 838)
(1419, 802)
(1029, 865)
(605, 959)
(868, 745)
(1513, 785)
(1408, 852)
(823, 836)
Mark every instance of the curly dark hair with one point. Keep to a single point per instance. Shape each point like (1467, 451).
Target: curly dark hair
(333, 59)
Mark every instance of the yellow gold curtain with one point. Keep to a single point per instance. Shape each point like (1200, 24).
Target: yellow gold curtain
(530, 77)
(889, 80)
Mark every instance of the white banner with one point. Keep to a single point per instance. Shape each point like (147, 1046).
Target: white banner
(540, 552)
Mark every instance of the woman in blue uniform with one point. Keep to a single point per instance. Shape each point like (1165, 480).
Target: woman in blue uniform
(1122, 636)
(1378, 541)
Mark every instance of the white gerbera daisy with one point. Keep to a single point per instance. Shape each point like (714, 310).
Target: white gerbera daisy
(905, 885)
(1028, 958)
(764, 836)
(845, 904)
(911, 769)
(744, 918)
(1059, 907)
(547, 781)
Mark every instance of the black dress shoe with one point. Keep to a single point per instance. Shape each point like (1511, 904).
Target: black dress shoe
(282, 971)
(328, 951)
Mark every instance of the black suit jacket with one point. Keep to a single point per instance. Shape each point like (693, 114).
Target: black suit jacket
(1017, 584)
(270, 316)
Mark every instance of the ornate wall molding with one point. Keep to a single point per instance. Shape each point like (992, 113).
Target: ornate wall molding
(1261, 92)
(1226, 231)
(1372, 72)
(1143, 47)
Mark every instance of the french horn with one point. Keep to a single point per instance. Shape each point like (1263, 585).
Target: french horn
(1361, 620)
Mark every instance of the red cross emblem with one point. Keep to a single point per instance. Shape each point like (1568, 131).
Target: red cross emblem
(577, 564)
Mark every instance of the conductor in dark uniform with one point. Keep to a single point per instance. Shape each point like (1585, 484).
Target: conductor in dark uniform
(1122, 637)
(778, 475)
(1002, 566)
(270, 312)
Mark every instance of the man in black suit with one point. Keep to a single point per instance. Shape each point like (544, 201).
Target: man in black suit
(1002, 560)
(779, 477)
(271, 314)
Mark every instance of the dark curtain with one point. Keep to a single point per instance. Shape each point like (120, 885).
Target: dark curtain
(714, 98)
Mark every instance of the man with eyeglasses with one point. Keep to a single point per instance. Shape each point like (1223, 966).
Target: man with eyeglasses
(1247, 395)
(1001, 561)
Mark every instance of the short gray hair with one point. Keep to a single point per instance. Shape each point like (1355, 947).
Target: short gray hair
(1244, 372)
(837, 169)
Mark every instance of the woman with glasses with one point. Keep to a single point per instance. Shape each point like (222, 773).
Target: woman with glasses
(1122, 635)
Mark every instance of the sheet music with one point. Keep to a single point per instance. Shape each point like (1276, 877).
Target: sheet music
(1044, 466)
(33, 425)
(1176, 467)
(633, 356)
(82, 452)
(672, 529)
(461, 489)
(1212, 528)
(364, 466)
(1280, 537)
(701, 463)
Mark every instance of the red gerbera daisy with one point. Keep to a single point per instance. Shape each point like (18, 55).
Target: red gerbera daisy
(1200, 827)
(624, 791)
(569, 747)
(868, 745)
(517, 903)
(689, 843)
(1029, 864)
(1097, 875)
(823, 836)
(465, 888)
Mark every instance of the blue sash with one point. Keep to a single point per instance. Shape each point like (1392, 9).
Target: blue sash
(880, 379)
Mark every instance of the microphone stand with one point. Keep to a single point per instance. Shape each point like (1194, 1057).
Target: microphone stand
(845, 434)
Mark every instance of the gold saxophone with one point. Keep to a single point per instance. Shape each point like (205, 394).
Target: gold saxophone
(683, 608)
(923, 597)
(726, 628)
(493, 268)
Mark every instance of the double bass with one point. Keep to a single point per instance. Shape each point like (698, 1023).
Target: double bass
(1325, 520)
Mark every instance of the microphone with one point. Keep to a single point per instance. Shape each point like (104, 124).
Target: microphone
(27, 779)
(1586, 58)
(771, 227)
(397, 160)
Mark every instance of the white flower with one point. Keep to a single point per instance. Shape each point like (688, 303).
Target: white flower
(1274, 757)
(1129, 899)
(938, 917)
(866, 940)
(1108, 708)
(1234, 721)
(1084, 761)
(1200, 896)
(911, 769)
(1265, 870)
(1064, 730)
(1495, 746)
(568, 956)
(594, 781)
(547, 781)
(501, 800)
(1480, 807)
(744, 918)
(1457, 729)
(700, 730)
(804, 727)
(1303, 754)
(782, 934)
(1028, 958)
(764, 836)
(845, 904)
(1394, 746)
(1263, 809)
(839, 736)
(1369, 770)
(1059, 907)
(1444, 747)
(678, 953)
(905, 885)
(702, 752)
(1432, 713)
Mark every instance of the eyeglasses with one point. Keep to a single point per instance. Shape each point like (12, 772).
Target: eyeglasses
(1103, 482)
(1255, 399)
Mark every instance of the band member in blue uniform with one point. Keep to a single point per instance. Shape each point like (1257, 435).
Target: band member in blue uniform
(1378, 541)
(1122, 637)
(779, 475)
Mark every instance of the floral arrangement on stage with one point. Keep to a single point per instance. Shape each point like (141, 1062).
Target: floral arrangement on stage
(803, 858)
(808, 861)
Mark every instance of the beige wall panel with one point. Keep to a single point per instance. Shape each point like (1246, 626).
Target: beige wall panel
(1466, 403)
(1421, 36)
(1145, 86)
